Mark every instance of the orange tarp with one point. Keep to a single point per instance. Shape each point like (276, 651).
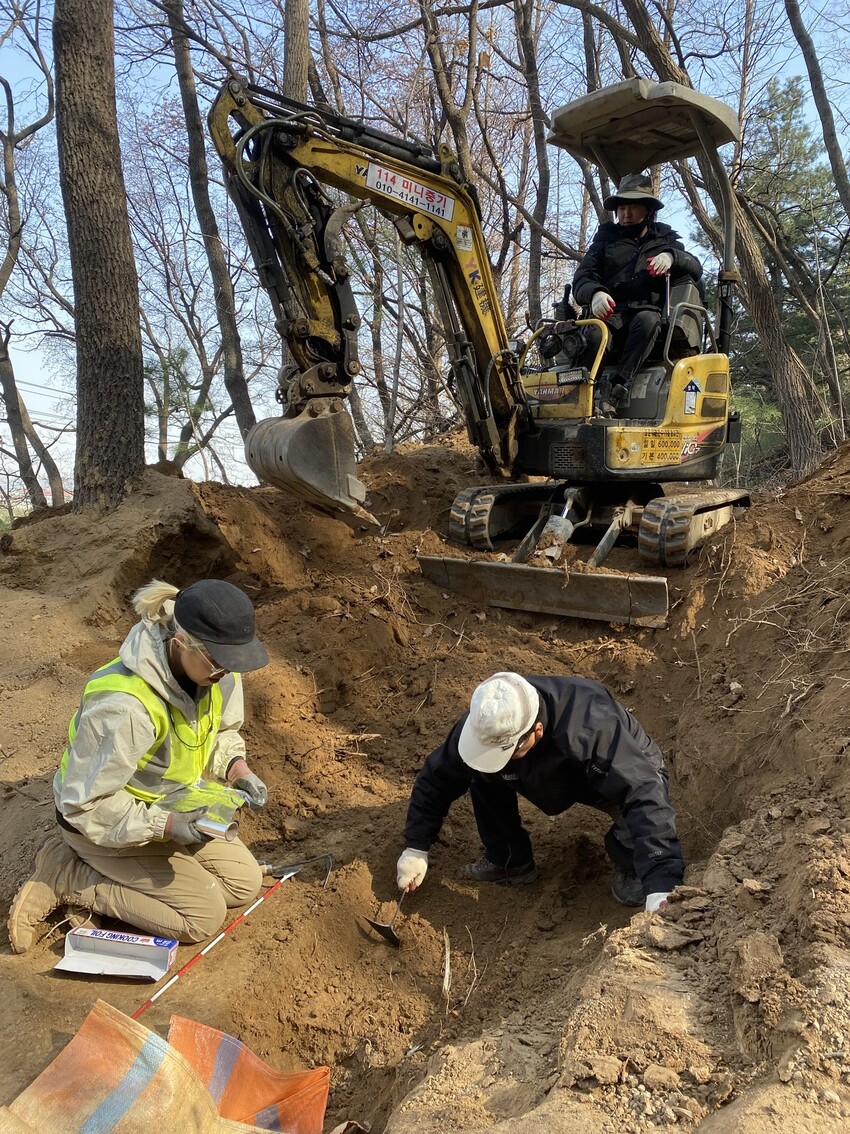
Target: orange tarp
(116, 1077)
(248, 1090)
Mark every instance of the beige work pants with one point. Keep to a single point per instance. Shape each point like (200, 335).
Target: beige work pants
(166, 889)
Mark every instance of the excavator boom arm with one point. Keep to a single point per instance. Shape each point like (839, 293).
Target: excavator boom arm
(278, 158)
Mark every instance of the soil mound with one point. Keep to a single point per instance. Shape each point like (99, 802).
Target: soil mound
(545, 1009)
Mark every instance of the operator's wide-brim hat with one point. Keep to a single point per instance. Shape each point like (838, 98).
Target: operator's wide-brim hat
(635, 187)
(221, 617)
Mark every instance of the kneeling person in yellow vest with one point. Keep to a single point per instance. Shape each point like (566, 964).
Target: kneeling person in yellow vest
(164, 714)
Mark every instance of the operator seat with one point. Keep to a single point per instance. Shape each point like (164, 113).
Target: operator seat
(682, 335)
(686, 325)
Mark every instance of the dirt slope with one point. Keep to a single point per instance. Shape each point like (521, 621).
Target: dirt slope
(728, 1013)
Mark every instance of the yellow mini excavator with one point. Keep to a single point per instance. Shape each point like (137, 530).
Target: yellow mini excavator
(645, 475)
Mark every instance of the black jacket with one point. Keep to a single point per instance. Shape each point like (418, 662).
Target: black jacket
(618, 264)
(592, 750)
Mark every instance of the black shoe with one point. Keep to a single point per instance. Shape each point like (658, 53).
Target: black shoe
(486, 871)
(626, 888)
(619, 393)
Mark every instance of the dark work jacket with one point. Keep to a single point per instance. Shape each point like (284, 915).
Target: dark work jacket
(618, 264)
(592, 751)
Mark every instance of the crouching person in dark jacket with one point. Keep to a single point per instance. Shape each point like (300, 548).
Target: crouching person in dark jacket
(557, 741)
(623, 279)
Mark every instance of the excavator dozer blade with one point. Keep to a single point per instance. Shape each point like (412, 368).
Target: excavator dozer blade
(311, 456)
(640, 600)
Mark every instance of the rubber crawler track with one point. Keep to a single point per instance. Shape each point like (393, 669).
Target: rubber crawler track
(664, 530)
(469, 520)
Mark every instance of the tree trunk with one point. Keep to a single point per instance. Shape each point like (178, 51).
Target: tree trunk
(16, 426)
(524, 15)
(794, 388)
(296, 49)
(14, 141)
(456, 113)
(822, 102)
(54, 477)
(110, 380)
(225, 304)
(375, 329)
(361, 426)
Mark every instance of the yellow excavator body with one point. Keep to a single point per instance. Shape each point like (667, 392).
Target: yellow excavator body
(642, 475)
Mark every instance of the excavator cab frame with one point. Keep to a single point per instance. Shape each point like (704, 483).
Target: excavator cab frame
(637, 124)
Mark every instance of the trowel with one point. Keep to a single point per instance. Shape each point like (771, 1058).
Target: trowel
(386, 928)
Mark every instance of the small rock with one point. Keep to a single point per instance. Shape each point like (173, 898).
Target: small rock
(718, 877)
(785, 1066)
(686, 893)
(664, 935)
(701, 903)
(295, 829)
(758, 956)
(816, 826)
(733, 841)
(605, 1069)
(659, 1078)
(754, 886)
(745, 900)
(700, 1074)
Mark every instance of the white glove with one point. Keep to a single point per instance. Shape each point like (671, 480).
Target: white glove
(656, 901)
(602, 305)
(661, 264)
(411, 869)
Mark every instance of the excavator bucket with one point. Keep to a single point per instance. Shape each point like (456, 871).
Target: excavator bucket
(638, 600)
(311, 455)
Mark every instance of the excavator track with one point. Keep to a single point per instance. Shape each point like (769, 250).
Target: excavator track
(480, 515)
(671, 526)
(664, 529)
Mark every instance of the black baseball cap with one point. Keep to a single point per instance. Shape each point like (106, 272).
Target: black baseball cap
(222, 617)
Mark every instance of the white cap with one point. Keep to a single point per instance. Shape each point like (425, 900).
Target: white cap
(502, 710)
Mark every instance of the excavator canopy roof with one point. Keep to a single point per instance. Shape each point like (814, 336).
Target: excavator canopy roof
(632, 125)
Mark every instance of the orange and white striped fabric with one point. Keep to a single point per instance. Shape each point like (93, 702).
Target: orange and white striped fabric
(117, 1077)
(245, 1088)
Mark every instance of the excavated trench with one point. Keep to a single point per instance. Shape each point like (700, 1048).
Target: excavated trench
(554, 1007)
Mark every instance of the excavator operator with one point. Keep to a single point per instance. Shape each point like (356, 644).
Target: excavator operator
(623, 279)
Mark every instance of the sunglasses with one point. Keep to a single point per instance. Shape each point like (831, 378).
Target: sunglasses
(215, 670)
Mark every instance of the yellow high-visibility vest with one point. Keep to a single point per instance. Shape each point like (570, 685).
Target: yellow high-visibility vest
(180, 751)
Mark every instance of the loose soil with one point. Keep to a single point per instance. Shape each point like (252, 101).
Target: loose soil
(549, 1007)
